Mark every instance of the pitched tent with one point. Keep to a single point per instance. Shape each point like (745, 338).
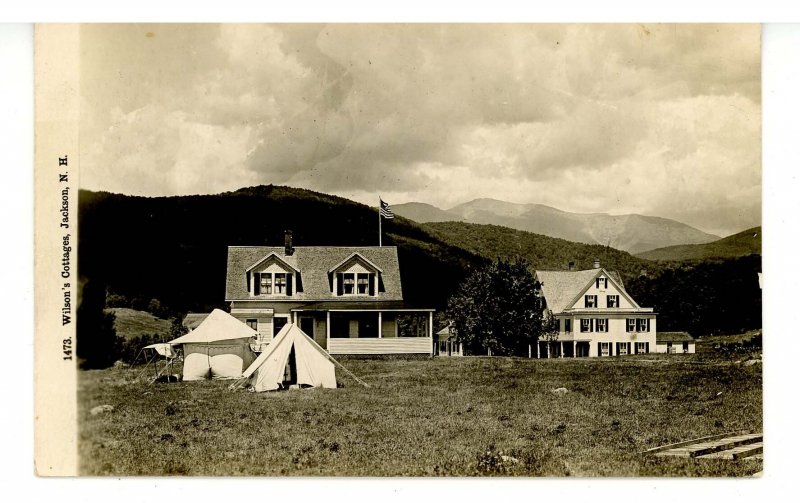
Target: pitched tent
(218, 348)
(292, 357)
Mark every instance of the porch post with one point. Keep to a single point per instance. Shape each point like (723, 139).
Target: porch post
(430, 329)
(561, 346)
(529, 351)
(574, 349)
(328, 330)
(380, 324)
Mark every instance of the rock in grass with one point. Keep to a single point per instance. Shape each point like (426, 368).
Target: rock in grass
(559, 391)
(101, 409)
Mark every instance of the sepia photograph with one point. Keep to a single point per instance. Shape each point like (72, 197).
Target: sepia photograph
(392, 250)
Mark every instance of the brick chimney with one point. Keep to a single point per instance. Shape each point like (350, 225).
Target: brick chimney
(288, 249)
(597, 263)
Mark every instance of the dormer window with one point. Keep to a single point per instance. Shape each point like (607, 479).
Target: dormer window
(601, 283)
(351, 283)
(280, 283)
(348, 283)
(363, 284)
(266, 284)
(590, 301)
(273, 283)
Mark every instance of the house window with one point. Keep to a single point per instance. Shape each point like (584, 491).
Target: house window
(685, 347)
(604, 347)
(590, 300)
(280, 283)
(601, 324)
(252, 324)
(567, 326)
(643, 325)
(363, 284)
(348, 283)
(623, 349)
(601, 283)
(586, 325)
(612, 300)
(630, 325)
(266, 283)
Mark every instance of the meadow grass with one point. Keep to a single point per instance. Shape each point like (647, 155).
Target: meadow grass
(428, 416)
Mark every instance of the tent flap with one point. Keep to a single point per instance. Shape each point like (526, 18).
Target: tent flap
(312, 364)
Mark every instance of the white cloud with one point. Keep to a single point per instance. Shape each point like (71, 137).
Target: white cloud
(660, 119)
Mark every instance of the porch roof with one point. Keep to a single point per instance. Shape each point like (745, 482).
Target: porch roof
(361, 306)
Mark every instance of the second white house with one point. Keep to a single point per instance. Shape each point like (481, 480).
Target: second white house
(595, 315)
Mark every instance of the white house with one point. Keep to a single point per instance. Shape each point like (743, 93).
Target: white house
(595, 315)
(674, 342)
(348, 299)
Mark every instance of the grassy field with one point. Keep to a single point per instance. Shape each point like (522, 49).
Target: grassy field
(423, 416)
(131, 323)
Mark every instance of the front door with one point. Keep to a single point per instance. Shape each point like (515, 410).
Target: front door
(307, 325)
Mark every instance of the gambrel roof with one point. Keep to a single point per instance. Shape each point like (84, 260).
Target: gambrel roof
(314, 264)
(561, 289)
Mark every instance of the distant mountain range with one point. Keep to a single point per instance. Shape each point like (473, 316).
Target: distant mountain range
(738, 245)
(632, 233)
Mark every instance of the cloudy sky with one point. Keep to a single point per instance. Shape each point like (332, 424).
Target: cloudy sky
(660, 120)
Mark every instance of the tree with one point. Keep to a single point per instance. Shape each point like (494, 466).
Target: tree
(177, 329)
(97, 343)
(498, 308)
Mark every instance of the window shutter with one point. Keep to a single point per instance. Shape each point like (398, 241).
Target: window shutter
(636, 349)
(372, 284)
(289, 278)
(618, 348)
(599, 349)
(339, 286)
(646, 347)
(629, 347)
(257, 279)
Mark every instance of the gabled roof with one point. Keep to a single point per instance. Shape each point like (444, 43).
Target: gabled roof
(288, 261)
(598, 273)
(313, 263)
(351, 256)
(673, 337)
(561, 289)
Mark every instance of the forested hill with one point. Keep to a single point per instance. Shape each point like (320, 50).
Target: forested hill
(174, 249)
(542, 252)
(742, 244)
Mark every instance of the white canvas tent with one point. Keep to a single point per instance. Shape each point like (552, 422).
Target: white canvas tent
(292, 357)
(218, 348)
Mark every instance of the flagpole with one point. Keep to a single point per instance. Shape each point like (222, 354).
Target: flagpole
(380, 233)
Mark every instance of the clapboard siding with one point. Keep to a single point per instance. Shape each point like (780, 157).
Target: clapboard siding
(381, 346)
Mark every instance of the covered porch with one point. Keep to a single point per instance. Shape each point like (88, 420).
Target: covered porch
(572, 348)
(367, 328)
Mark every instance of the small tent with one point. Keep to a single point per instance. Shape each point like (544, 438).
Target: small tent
(291, 358)
(218, 348)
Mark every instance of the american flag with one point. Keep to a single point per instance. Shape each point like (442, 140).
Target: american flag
(386, 210)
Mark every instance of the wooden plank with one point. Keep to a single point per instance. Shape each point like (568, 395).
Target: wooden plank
(739, 452)
(712, 446)
(693, 441)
